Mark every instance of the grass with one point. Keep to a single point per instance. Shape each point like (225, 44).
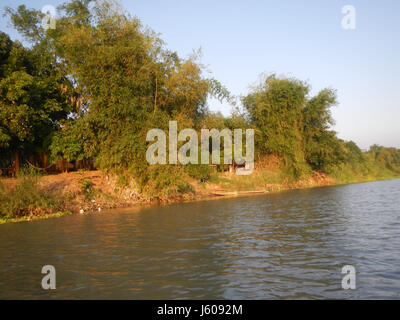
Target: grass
(27, 199)
(349, 174)
(29, 218)
(260, 179)
(87, 189)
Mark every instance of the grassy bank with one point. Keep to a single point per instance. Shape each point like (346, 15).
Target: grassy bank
(25, 199)
(31, 196)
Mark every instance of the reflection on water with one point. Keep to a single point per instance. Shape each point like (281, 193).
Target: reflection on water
(287, 245)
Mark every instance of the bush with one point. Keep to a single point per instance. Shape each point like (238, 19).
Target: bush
(87, 189)
(199, 172)
(164, 181)
(27, 198)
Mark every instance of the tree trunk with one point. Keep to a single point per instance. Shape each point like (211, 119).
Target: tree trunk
(16, 163)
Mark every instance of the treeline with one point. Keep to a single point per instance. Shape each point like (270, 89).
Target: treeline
(291, 124)
(92, 87)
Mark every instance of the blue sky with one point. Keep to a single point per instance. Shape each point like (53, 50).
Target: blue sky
(303, 38)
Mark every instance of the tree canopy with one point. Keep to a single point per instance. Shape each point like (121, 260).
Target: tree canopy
(92, 87)
(33, 100)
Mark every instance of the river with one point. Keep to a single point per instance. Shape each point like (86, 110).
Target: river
(288, 245)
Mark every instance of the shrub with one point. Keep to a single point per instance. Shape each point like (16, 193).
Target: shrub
(27, 198)
(87, 189)
(199, 172)
(164, 181)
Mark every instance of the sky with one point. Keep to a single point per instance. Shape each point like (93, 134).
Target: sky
(305, 39)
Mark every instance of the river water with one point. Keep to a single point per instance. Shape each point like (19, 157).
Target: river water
(289, 245)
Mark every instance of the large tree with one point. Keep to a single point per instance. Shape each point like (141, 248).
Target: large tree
(323, 150)
(291, 124)
(125, 82)
(33, 98)
(275, 109)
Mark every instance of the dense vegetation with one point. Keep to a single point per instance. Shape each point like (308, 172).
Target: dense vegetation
(28, 198)
(92, 87)
(297, 128)
(32, 100)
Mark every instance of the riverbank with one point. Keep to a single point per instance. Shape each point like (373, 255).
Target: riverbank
(84, 192)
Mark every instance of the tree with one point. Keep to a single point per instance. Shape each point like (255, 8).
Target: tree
(32, 101)
(123, 80)
(323, 150)
(275, 109)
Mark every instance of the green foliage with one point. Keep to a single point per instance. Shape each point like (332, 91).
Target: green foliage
(377, 163)
(5, 48)
(124, 83)
(163, 181)
(27, 198)
(275, 109)
(297, 128)
(95, 85)
(32, 100)
(87, 189)
(323, 150)
(73, 142)
(354, 153)
(200, 172)
(388, 158)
